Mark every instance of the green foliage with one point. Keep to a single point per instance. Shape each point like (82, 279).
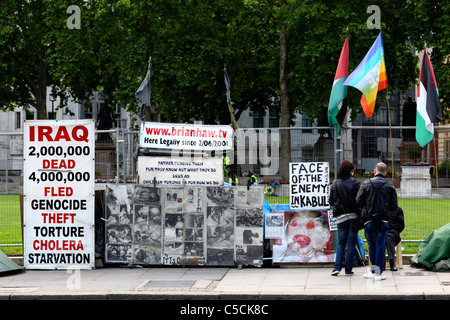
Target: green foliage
(191, 41)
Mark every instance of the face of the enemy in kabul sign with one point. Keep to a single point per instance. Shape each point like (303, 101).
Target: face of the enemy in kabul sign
(307, 236)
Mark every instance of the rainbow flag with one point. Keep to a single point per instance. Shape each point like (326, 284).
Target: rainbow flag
(370, 76)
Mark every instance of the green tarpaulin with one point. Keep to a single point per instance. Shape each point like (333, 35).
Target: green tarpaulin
(434, 251)
(6, 264)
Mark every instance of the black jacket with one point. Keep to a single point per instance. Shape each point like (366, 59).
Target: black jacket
(397, 224)
(376, 198)
(343, 196)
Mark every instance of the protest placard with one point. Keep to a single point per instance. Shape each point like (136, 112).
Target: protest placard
(309, 185)
(58, 228)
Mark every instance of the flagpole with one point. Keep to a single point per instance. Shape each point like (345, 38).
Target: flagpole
(436, 158)
(390, 134)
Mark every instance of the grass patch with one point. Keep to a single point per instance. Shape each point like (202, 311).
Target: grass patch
(10, 224)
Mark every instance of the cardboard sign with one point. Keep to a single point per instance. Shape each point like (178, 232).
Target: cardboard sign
(309, 185)
(59, 194)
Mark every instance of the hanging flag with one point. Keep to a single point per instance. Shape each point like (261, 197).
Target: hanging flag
(337, 107)
(227, 85)
(143, 93)
(370, 76)
(428, 105)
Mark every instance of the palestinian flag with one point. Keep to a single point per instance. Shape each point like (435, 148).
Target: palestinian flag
(428, 104)
(337, 107)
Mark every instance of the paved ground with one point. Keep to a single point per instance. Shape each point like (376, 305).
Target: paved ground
(206, 283)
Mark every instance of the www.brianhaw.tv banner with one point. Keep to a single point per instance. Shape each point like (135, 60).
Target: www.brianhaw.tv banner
(186, 136)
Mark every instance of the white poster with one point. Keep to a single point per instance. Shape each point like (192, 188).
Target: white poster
(186, 136)
(309, 185)
(59, 177)
(206, 171)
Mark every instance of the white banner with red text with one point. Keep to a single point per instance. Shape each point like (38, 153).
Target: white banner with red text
(58, 222)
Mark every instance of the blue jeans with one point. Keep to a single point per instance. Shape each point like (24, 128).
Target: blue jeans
(376, 233)
(346, 237)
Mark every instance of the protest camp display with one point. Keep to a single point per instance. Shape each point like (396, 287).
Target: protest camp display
(189, 225)
(58, 222)
(304, 233)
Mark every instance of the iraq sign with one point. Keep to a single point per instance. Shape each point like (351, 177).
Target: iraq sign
(58, 228)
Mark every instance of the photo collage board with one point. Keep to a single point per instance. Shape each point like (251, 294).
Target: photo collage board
(191, 225)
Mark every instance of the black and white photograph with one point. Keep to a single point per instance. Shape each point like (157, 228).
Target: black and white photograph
(220, 196)
(223, 216)
(252, 236)
(193, 200)
(195, 234)
(250, 217)
(220, 237)
(120, 234)
(252, 198)
(119, 194)
(145, 233)
(147, 254)
(220, 257)
(117, 214)
(146, 195)
(119, 253)
(193, 249)
(173, 248)
(194, 221)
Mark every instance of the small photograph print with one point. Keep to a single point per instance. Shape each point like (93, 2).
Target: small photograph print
(194, 234)
(119, 253)
(174, 200)
(249, 236)
(173, 248)
(119, 194)
(220, 257)
(147, 234)
(120, 234)
(220, 216)
(147, 254)
(250, 217)
(255, 255)
(174, 221)
(193, 249)
(220, 237)
(220, 196)
(146, 195)
(118, 214)
(193, 200)
(147, 214)
(249, 198)
(195, 221)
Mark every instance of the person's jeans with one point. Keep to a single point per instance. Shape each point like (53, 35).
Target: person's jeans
(346, 237)
(376, 233)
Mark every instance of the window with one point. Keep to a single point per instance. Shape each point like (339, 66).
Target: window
(18, 120)
(258, 119)
(306, 122)
(274, 118)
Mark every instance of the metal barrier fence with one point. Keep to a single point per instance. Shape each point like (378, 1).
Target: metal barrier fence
(258, 151)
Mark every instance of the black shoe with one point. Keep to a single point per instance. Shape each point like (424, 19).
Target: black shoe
(392, 265)
(335, 272)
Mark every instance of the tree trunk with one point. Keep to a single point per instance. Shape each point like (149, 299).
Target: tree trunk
(285, 152)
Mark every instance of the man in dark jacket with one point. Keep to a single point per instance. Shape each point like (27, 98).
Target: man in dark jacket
(376, 198)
